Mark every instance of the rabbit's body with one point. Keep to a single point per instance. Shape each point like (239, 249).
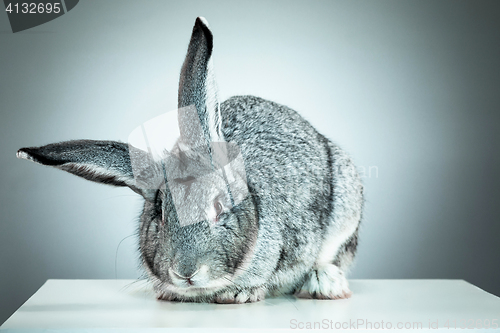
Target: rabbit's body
(308, 201)
(293, 229)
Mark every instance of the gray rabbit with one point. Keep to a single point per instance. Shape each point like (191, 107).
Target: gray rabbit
(289, 225)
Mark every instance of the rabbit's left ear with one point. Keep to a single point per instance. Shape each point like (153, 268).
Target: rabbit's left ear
(197, 88)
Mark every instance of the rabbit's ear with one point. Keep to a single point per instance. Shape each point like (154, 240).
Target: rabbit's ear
(106, 162)
(197, 88)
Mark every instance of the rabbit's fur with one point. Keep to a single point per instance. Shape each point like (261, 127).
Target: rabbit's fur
(295, 231)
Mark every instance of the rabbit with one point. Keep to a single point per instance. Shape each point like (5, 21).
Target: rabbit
(290, 228)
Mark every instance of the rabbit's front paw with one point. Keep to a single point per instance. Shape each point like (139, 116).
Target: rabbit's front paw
(325, 282)
(242, 296)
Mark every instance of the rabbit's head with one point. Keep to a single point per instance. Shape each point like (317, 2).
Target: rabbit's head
(198, 232)
(199, 224)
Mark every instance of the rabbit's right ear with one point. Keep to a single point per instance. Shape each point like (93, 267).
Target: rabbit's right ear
(106, 162)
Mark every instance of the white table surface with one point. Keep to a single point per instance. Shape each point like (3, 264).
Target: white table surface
(126, 305)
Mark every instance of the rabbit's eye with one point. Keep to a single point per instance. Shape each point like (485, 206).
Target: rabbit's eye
(218, 209)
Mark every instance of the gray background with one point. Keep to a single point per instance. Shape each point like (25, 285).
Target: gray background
(410, 88)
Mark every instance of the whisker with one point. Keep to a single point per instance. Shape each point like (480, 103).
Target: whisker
(116, 254)
(136, 281)
(228, 279)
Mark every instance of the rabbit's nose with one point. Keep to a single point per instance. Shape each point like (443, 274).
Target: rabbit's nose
(189, 279)
(198, 279)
